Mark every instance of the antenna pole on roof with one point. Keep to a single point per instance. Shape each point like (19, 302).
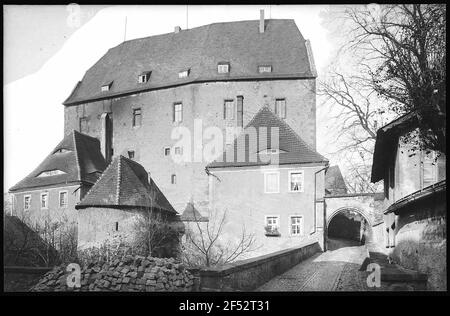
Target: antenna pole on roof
(125, 31)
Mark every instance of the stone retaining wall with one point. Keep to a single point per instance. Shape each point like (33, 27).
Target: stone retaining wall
(128, 274)
(247, 275)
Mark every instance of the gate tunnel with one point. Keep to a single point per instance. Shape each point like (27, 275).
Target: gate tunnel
(348, 224)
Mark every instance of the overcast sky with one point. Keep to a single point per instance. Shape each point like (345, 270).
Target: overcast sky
(47, 49)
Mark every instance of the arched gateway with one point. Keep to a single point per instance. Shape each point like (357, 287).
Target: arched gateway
(353, 215)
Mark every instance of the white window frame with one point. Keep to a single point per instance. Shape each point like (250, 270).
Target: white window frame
(59, 198)
(178, 115)
(266, 174)
(434, 168)
(300, 225)
(264, 69)
(24, 204)
(106, 87)
(275, 216)
(289, 180)
(40, 202)
(144, 77)
(280, 107)
(223, 68)
(183, 74)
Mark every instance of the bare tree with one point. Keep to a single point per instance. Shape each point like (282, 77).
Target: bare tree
(204, 247)
(155, 234)
(407, 43)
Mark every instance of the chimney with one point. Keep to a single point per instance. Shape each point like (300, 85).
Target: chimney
(177, 29)
(261, 21)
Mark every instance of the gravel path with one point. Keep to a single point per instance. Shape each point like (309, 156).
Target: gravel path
(334, 270)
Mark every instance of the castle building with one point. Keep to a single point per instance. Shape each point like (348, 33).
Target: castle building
(217, 75)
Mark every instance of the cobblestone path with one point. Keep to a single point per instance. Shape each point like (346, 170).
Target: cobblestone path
(334, 270)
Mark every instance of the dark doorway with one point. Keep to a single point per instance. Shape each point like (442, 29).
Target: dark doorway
(347, 228)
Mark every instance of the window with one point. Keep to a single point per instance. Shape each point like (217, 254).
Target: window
(137, 117)
(228, 110)
(26, 202)
(296, 181)
(173, 179)
(178, 150)
(240, 111)
(280, 108)
(296, 225)
(107, 86)
(271, 182)
(44, 200)
(178, 112)
(144, 77)
(264, 68)
(84, 127)
(271, 151)
(51, 173)
(272, 222)
(167, 151)
(61, 151)
(116, 226)
(183, 74)
(63, 199)
(131, 154)
(223, 68)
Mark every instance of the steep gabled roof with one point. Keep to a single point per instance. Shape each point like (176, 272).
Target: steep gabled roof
(125, 183)
(334, 181)
(293, 150)
(199, 49)
(77, 158)
(191, 214)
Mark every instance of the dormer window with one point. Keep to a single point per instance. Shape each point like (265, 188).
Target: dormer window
(271, 151)
(223, 68)
(183, 74)
(107, 86)
(49, 173)
(61, 151)
(264, 68)
(144, 77)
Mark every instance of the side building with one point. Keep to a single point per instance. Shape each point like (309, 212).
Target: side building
(217, 75)
(122, 203)
(271, 187)
(415, 189)
(50, 193)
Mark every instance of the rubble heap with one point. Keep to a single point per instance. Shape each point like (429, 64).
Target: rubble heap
(128, 274)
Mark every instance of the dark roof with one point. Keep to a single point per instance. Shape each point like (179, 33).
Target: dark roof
(293, 150)
(199, 49)
(386, 144)
(433, 194)
(191, 214)
(80, 161)
(125, 183)
(334, 181)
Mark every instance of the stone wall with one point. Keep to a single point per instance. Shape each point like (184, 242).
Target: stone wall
(128, 274)
(247, 275)
(421, 240)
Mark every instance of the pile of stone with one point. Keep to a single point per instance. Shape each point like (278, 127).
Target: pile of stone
(128, 274)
